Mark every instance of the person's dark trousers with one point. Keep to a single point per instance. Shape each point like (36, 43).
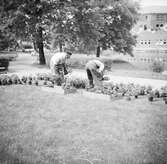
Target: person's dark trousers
(90, 77)
(65, 69)
(58, 69)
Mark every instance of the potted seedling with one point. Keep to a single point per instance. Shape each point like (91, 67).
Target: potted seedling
(30, 82)
(165, 100)
(24, 79)
(136, 95)
(45, 82)
(50, 84)
(157, 93)
(36, 82)
(151, 97)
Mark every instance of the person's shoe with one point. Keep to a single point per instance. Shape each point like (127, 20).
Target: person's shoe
(90, 87)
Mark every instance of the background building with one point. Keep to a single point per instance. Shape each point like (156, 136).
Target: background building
(151, 29)
(151, 32)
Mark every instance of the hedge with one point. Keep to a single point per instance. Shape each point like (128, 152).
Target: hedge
(8, 55)
(4, 63)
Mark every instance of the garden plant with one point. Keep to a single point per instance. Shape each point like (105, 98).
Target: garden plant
(70, 85)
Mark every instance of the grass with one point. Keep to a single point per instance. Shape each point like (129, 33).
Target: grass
(118, 66)
(45, 128)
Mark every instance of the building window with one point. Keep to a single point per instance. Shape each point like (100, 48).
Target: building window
(146, 17)
(160, 17)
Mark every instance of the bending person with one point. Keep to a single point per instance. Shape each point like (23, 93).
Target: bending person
(95, 70)
(58, 63)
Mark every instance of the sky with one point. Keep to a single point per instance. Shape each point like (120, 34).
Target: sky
(153, 2)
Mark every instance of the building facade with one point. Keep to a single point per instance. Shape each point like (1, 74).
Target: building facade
(151, 28)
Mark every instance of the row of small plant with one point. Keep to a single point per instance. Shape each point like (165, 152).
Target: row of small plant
(39, 79)
(132, 90)
(72, 83)
(117, 90)
(44, 79)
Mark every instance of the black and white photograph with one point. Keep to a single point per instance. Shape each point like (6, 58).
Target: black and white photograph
(83, 81)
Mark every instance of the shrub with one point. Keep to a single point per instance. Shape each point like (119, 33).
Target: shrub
(4, 62)
(8, 55)
(157, 66)
(27, 46)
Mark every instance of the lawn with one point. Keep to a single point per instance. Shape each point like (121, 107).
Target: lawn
(119, 67)
(50, 128)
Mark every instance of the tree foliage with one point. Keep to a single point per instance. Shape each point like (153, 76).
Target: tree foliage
(26, 19)
(91, 24)
(80, 24)
(119, 20)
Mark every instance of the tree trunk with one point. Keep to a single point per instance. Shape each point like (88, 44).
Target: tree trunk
(60, 47)
(39, 42)
(98, 51)
(35, 46)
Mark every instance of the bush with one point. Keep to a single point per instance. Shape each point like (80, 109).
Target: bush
(157, 66)
(27, 46)
(8, 55)
(4, 63)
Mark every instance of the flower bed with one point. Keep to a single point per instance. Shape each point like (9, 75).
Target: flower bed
(70, 85)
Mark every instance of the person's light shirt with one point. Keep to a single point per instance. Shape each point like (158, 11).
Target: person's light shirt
(95, 65)
(58, 58)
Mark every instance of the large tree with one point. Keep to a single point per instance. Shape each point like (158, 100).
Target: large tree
(6, 11)
(28, 19)
(76, 25)
(119, 20)
(96, 24)
(119, 17)
(90, 24)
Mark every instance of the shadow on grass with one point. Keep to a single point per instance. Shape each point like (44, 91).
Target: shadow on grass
(37, 65)
(6, 157)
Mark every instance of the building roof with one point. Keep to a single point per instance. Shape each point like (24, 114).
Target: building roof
(153, 10)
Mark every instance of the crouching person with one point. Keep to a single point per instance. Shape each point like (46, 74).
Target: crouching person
(58, 63)
(95, 70)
